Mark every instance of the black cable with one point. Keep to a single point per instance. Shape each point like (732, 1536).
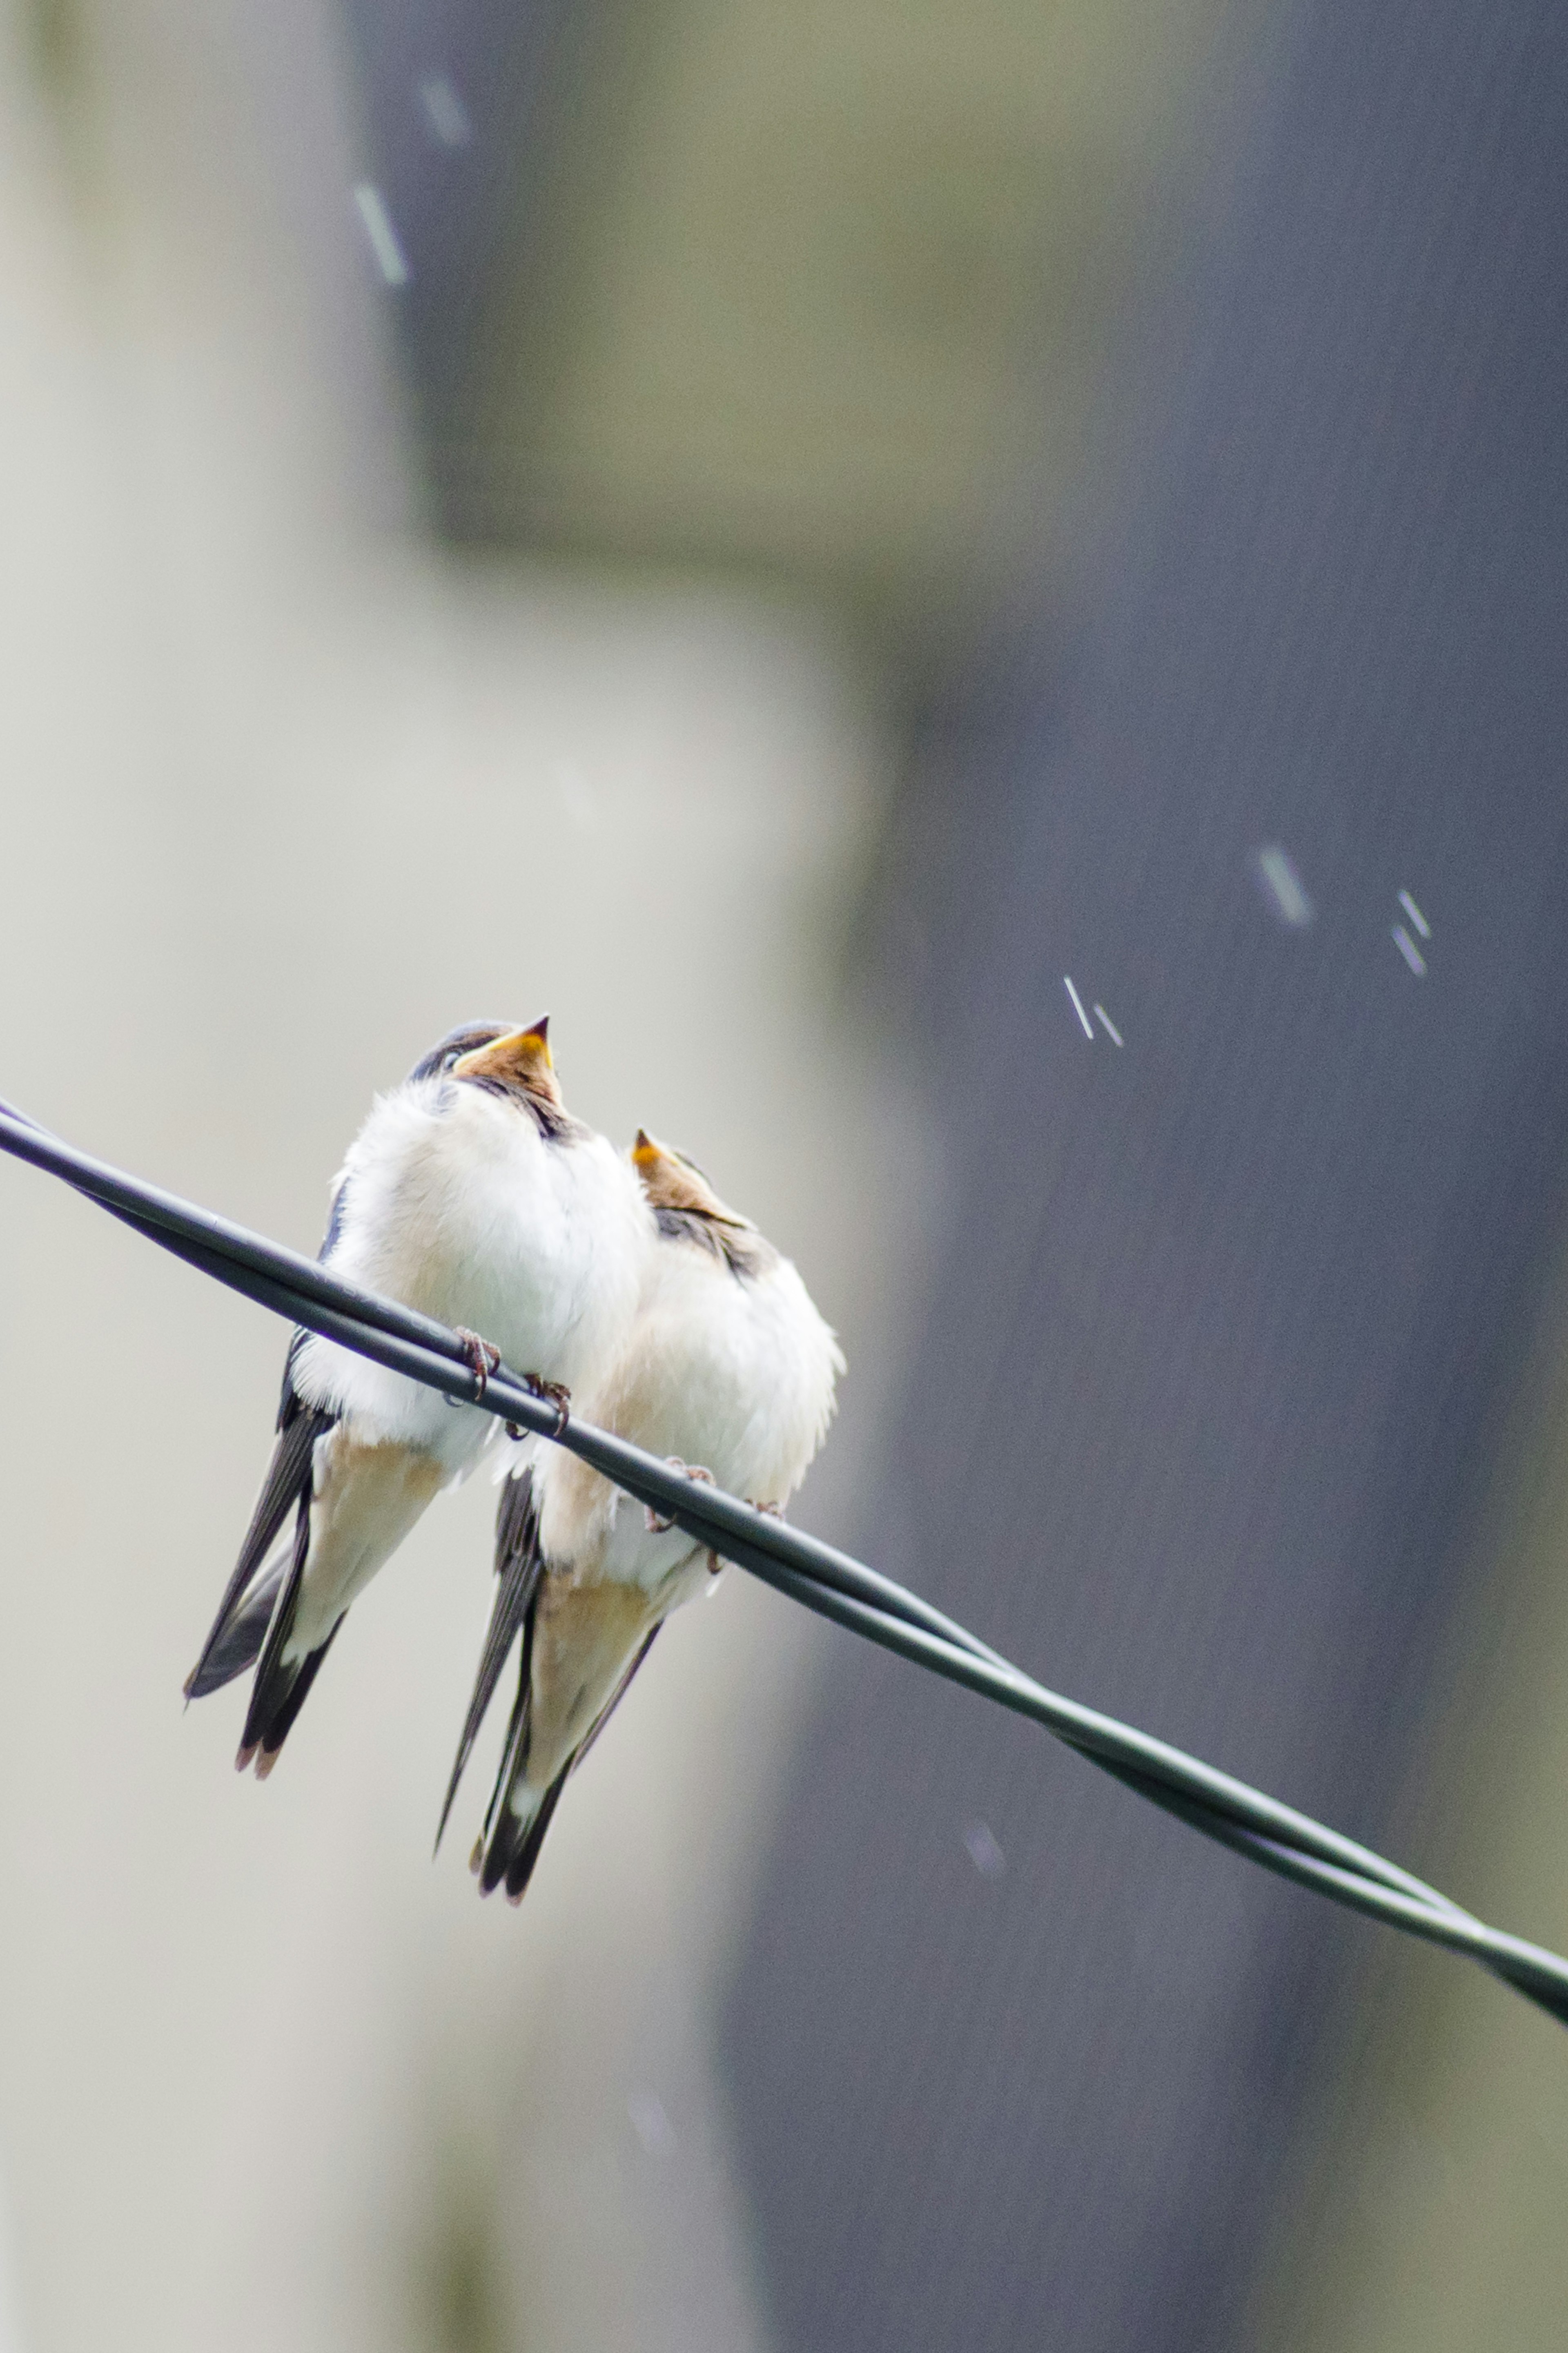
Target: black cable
(1274, 1836)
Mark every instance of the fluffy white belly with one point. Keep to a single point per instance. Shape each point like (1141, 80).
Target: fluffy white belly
(735, 1377)
(455, 1204)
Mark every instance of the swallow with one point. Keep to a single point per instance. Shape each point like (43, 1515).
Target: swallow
(471, 1194)
(728, 1372)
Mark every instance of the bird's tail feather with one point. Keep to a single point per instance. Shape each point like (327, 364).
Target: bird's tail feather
(514, 1812)
(519, 1567)
(282, 1685)
(516, 1839)
(518, 1816)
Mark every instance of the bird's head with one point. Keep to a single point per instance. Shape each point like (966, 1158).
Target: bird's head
(686, 1210)
(673, 1182)
(517, 1061)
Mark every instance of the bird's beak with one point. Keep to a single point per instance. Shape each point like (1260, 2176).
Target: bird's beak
(522, 1059)
(645, 1153)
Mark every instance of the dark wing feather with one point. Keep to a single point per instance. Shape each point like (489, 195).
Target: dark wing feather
(507, 1828)
(518, 1568)
(240, 1627)
(520, 1726)
(287, 1484)
(236, 1645)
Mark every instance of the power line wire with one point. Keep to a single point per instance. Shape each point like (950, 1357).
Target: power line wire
(1275, 1836)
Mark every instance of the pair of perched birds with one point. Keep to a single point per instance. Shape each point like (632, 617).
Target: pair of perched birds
(472, 1195)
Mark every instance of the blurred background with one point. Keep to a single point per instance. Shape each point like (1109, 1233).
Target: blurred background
(973, 598)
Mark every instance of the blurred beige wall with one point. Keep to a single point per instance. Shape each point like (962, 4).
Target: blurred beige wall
(284, 796)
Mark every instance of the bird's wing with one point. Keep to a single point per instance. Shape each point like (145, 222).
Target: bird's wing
(228, 1652)
(519, 1567)
(240, 1627)
(505, 1833)
(235, 1644)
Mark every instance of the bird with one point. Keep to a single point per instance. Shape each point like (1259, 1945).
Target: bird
(472, 1195)
(728, 1372)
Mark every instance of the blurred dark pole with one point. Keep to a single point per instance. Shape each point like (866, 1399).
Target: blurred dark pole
(1233, 1309)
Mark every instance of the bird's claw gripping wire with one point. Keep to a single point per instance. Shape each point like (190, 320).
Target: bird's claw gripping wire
(485, 1359)
(555, 1393)
(657, 1526)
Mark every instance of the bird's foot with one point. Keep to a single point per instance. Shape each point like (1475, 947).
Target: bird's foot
(554, 1393)
(483, 1355)
(657, 1526)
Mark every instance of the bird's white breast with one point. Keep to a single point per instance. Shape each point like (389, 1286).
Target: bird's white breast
(454, 1203)
(734, 1374)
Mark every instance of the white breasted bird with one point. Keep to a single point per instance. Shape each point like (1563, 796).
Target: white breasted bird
(472, 1195)
(728, 1371)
